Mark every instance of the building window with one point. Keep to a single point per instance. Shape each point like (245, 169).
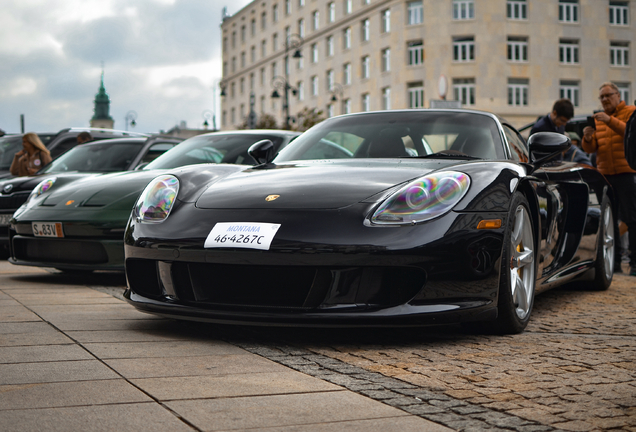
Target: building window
(233, 64)
(233, 39)
(274, 69)
(463, 9)
(287, 70)
(288, 7)
(346, 38)
(301, 3)
(569, 11)
(330, 50)
(366, 102)
(314, 53)
(315, 18)
(252, 81)
(346, 74)
(314, 85)
(348, 6)
(463, 49)
(346, 106)
(518, 91)
(415, 53)
(275, 13)
(263, 76)
(242, 111)
(366, 67)
(233, 115)
(274, 42)
(517, 9)
(330, 110)
(517, 49)
(570, 90)
(243, 59)
(243, 31)
(385, 16)
(263, 48)
(301, 27)
(414, 12)
(386, 98)
(366, 30)
(242, 85)
(619, 53)
(464, 90)
(233, 90)
(301, 90)
(263, 20)
(416, 95)
(331, 12)
(253, 54)
(253, 27)
(619, 13)
(330, 80)
(623, 90)
(568, 51)
(386, 60)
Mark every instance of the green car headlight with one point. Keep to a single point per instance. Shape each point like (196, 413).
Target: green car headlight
(42, 187)
(156, 201)
(423, 199)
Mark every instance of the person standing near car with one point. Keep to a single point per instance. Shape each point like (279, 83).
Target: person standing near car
(84, 137)
(606, 140)
(562, 112)
(32, 158)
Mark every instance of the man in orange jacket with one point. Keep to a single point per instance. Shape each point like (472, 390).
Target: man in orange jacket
(607, 141)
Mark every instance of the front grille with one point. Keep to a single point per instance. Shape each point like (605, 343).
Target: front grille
(295, 287)
(13, 201)
(59, 251)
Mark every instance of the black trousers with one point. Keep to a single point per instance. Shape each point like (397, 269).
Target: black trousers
(624, 208)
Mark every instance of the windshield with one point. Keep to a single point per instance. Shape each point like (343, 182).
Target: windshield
(103, 157)
(215, 148)
(399, 134)
(9, 146)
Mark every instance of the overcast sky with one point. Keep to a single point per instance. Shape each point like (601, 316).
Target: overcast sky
(161, 59)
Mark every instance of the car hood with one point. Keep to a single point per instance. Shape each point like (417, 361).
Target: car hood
(314, 184)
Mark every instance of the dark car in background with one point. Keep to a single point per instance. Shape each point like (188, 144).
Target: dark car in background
(57, 143)
(104, 156)
(77, 223)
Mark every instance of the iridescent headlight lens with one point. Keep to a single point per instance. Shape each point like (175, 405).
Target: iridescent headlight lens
(423, 199)
(42, 187)
(156, 201)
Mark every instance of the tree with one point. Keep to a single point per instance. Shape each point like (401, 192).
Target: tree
(306, 118)
(264, 121)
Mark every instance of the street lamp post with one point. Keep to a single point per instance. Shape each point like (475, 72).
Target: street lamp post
(292, 43)
(130, 118)
(207, 116)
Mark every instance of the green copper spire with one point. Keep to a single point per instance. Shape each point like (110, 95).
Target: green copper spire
(102, 103)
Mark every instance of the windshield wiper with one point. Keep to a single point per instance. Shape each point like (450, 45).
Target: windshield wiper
(448, 154)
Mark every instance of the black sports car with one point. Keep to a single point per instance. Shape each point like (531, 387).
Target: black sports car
(76, 222)
(382, 218)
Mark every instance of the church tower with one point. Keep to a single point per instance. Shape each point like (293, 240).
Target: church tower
(102, 119)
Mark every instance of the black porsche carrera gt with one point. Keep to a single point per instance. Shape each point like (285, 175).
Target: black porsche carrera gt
(381, 218)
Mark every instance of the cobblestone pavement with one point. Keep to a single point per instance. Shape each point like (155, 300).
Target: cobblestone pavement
(573, 369)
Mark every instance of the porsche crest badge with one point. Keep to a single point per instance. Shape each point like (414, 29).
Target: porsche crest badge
(271, 197)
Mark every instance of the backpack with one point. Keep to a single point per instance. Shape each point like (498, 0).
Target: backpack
(630, 141)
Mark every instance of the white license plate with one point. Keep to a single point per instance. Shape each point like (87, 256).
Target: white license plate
(249, 235)
(47, 229)
(4, 219)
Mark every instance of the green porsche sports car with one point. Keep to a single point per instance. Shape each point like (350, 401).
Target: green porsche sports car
(74, 223)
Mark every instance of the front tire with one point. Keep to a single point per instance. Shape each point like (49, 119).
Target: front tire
(605, 249)
(518, 270)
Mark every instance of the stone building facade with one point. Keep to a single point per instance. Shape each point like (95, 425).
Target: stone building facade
(510, 57)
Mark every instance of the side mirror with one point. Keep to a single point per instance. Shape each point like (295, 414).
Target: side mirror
(141, 166)
(262, 152)
(543, 146)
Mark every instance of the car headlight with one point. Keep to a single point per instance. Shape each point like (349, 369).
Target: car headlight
(423, 199)
(42, 187)
(156, 201)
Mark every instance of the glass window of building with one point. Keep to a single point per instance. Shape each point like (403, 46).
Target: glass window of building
(330, 49)
(331, 12)
(330, 111)
(288, 7)
(243, 31)
(366, 67)
(348, 6)
(463, 9)
(464, 90)
(315, 18)
(263, 20)
(366, 102)
(263, 48)
(252, 81)
(346, 106)
(568, 51)
(253, 54)
(415, 51)
(569, 11)
(346, 74)
(518, 48)
(518, 91)
(386, 98)
(385, 20)
(275, 42)
(366, 30)
(301, 3)
(263, 104)
(386, 59)
(464, 49)
(346, 38)
(314, 85)
(314, 53)
(301, 91)
(623, 90)
(301, 27)
(253, 27)
(232, 90)
(416, 94)
(233, 115)
(274, 69)
(234, 39)
(233, 64)
(275, 13)
(516, 9)
(263, 76)
(330, 79)
(242, 85)
(243, 59)
(619, 13)
(619, 53)
(570, 90)
(286, 65)
(414, 12)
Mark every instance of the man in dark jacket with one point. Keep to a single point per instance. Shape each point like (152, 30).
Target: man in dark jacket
(562, 112)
